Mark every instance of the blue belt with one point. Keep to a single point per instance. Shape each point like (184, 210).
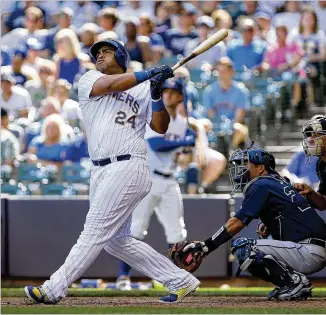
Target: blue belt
(107, 161)
(162, 174)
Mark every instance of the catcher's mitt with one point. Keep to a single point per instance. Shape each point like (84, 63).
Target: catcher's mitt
(189, 260)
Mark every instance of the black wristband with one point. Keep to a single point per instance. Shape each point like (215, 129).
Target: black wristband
(219, 238)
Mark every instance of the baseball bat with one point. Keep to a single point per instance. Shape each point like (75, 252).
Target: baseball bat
(204, 46)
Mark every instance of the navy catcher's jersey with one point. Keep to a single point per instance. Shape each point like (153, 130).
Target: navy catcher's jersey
(321, 172)
(287, 215)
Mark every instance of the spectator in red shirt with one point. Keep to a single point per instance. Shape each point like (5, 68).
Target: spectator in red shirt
(282, 56)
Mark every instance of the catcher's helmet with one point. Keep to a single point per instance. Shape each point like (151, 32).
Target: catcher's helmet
(239, 170)
(313, 132)
(121, 54)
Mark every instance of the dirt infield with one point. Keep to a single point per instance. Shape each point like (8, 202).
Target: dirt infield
(189, 302)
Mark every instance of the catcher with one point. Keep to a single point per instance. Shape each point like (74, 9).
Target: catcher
(298, 244)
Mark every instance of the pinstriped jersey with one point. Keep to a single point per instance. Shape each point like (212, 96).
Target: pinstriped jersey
(115, 123)
(165, 162)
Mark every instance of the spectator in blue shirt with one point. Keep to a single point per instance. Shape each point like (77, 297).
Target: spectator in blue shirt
(177, 38)
(146, 27)
(192, 94)
(138, 47)
(226, 102)
(84, 11)
(50, 147)
(5, 56)
(78, 149)
(49, 107)
(18, 68)
(248, 10)
(69, 59)
(17, 16)
(163, 20)
(246, 52)
(88, 36)
(209, 58)
(300, 172)
(64, 21)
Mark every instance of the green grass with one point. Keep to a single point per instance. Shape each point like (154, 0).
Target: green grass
(255, 291)
(155, 310)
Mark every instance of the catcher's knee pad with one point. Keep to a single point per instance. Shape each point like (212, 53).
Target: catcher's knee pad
(243, 249)
(192, 174)
(259, 264)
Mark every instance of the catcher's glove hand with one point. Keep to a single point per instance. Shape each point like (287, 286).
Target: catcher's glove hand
(188, 255)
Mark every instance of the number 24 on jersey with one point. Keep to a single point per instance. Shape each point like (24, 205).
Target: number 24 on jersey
(122, 119)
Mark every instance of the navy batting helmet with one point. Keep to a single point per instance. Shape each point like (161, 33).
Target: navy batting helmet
(121, 54)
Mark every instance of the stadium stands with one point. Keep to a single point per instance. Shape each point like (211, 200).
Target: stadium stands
(49, 47)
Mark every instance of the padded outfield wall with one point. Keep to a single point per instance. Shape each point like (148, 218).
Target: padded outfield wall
(38, 232)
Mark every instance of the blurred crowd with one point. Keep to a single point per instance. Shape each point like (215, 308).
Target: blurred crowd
(45, 50)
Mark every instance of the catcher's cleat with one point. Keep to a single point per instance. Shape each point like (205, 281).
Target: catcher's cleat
(177, 296)
(123, 283)
(37, 295)
(300, 290)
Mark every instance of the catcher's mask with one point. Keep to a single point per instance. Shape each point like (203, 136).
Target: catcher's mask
(314, 132)
(239, 172)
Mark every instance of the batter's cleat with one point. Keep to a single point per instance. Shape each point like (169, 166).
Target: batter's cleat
(123, 283)
(177, 296)
(37, 295)
(157, 285)
(299, 290)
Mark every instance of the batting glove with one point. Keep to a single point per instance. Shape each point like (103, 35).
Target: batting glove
(166, 71)
(157, 83)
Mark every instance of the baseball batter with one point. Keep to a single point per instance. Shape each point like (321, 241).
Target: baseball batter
(116, 107)
(164, 197)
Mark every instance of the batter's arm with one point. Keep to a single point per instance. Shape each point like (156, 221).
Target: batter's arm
(107, 84)
(160, 117)
(113, 83)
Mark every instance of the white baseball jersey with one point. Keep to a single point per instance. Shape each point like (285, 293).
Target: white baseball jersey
(165, 196)
(164, 162)
(106, 118)
(115, 125)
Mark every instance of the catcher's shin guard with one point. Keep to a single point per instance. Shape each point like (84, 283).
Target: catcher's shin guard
(291, 285)
(260, 265)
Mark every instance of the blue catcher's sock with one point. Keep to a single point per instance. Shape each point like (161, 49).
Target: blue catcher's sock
(125, 269)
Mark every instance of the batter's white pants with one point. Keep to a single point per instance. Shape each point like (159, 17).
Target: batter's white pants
(115, 191)
(166, 200)
(302, 257)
